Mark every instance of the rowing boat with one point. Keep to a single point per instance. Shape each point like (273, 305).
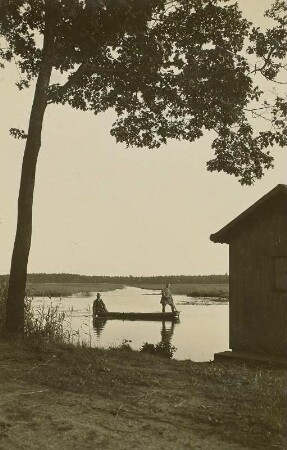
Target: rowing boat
(169, 316)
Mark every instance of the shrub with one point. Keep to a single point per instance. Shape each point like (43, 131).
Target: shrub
(163, 349)
(148, 348)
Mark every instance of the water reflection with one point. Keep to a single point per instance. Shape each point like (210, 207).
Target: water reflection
(98, 325)
(167, 329)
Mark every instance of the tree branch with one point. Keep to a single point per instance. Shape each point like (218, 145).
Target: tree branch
(266, 61)
(72, 79)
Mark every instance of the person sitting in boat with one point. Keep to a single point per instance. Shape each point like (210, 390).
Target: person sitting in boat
(99, 308)
(166, 299)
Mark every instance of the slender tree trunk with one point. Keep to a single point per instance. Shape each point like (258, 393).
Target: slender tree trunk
(14, 321)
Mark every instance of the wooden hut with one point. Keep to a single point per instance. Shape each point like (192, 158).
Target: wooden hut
(257, 241)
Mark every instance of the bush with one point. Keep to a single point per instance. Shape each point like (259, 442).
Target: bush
(163, 349)
(148, 348)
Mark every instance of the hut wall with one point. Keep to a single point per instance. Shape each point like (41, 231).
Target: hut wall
(258, 310)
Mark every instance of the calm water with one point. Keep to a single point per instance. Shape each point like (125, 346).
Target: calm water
(202, 331)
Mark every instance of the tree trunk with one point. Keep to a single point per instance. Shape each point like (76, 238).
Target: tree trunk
(14, 321)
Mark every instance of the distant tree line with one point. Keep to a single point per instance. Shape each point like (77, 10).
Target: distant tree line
(129, 280)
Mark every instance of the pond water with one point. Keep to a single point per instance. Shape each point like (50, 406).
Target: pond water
(202, 331)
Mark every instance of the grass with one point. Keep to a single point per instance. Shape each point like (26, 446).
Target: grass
(69, 289)
(3, 295)
(194, 290)
(85, 289)
(74, 397)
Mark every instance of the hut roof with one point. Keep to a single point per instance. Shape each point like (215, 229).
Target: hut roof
(223, 235)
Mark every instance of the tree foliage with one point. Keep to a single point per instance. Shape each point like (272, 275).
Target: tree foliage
(170, 69)
(130, 280)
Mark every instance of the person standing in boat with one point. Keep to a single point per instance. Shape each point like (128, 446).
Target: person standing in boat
(166, 299)
(99, 307)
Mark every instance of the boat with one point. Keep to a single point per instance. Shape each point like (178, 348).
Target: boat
(169, 316)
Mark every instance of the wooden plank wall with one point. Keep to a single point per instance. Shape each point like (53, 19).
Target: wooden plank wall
(258, 313)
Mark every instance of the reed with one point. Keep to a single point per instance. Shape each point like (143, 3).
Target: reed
(45, 323)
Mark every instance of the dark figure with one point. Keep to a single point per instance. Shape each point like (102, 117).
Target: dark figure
(99, 308)
(167, 332)
(166, 299)
(99, 324)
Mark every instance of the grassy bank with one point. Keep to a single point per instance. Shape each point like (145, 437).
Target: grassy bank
(69, 289)
(67, 397)
(192, 289)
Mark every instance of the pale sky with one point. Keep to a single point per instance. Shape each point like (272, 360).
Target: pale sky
(102, 209)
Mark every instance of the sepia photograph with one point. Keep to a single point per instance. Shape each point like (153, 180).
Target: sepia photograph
(143, 224)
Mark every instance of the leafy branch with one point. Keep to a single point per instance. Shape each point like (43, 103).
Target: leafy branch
(18, 134)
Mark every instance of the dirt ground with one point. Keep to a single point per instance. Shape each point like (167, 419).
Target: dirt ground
(76, 398)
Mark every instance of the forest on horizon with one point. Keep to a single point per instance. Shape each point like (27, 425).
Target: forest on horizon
(76, 278)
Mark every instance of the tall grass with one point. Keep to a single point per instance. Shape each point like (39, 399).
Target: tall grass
(48, 324)
(40, 323)
(44, 323)
(193, 289)
(68, 289)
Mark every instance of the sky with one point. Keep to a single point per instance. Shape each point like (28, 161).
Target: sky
(102, 209)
